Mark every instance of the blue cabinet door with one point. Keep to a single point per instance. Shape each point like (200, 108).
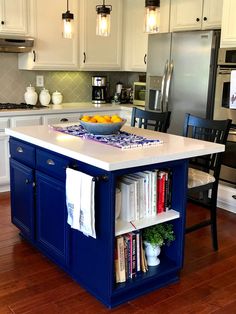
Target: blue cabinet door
(52, 231)
(22, 198)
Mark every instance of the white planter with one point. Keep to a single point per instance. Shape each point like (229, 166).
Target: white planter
(152, 253)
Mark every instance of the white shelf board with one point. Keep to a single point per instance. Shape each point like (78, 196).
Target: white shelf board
(125, 226)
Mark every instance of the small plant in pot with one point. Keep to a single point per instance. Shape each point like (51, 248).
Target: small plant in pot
(154, 237)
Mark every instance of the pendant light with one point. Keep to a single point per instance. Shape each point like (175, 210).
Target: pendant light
(103, 19)
(152, 9)
(67, 19)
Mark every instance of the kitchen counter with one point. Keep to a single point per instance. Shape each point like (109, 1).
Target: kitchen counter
(63, 108)
(39, 158)
(109, 158)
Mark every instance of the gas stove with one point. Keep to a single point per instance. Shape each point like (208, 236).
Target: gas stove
(24, 106)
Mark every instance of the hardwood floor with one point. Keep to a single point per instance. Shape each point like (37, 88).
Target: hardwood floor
(30, 283)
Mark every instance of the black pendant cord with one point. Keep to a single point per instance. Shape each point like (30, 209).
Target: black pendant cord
(67, 5)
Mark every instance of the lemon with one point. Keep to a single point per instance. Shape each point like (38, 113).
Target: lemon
(114, 117)
(93, 120)
(101, 120)
(116, 120)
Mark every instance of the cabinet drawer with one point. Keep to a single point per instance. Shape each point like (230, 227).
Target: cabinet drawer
(61, 118)
(51, 164)
(22, 152)
(26, 121)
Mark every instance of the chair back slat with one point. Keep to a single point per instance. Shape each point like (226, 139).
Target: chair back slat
(157, 121)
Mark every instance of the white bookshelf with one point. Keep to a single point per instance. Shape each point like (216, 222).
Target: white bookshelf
(125, 226)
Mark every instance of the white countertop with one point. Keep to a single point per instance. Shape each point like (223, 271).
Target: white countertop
(62, 108)
(110, 158)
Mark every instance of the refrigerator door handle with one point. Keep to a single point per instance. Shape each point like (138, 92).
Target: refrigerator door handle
(163, 83)
(168, 81)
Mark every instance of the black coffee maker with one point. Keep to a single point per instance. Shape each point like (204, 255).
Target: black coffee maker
(99, 89)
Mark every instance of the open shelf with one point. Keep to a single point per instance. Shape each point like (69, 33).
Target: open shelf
(166, 267)
(123, 227)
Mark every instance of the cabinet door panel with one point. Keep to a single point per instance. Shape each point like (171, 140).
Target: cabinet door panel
(22, 198)
(14, 16)
(135, 40)
(186, 14)
(228, 30)
(99, 52)
(212, 14)
(51, 50)
(52, 229)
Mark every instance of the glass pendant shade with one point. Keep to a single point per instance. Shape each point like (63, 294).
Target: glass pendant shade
(67, 28)
(67, 19)
(103, 25)
(152, 13)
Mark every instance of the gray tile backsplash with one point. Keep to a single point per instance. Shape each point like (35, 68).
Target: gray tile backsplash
(75, 86)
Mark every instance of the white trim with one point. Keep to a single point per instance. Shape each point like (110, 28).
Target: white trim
(225, 199)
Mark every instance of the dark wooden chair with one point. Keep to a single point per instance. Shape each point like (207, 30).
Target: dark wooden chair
(203, 174)
(158, 121)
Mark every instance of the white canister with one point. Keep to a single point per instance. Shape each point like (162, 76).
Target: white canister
(31, 96)
(44, 97)
(57, 98)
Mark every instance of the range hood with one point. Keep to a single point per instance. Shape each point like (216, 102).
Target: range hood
(16, 44)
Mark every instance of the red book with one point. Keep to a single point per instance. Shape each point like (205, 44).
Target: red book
(161, 192)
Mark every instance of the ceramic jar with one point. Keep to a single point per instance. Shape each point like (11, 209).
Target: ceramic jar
(44, 97)
(57, 98)
(30, 96)
(152, 253)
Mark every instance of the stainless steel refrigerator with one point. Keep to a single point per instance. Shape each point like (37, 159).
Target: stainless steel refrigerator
(181, 74)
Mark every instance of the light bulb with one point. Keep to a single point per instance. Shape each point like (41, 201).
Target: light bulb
(67, 28)
(151, 20)
(103, 25)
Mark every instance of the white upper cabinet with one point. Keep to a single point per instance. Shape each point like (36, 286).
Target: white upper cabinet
(212, 14)
(134, 39)
(51, 51)
(14, 17)
(228, 31)
(195, 14)
(97, 52)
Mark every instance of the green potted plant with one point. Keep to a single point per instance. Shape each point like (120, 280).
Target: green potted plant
(154, 237)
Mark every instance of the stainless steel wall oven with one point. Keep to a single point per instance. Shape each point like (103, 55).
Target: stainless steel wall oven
(226, 63)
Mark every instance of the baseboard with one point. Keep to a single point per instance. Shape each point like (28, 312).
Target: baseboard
(4, 188)
(225, 198)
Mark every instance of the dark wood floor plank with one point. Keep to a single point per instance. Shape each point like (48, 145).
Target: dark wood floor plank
(31, 284)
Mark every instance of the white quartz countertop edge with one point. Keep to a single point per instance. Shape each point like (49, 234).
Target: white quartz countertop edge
(111, 158)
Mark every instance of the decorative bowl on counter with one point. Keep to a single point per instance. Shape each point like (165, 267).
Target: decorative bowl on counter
(103, 128)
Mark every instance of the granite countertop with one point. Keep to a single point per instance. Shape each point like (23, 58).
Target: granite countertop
(110, 158)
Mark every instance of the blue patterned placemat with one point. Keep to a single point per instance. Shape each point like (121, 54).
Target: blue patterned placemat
(123, 140)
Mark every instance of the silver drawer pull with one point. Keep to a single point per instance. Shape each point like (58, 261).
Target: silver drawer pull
(19, 149)
(50, 162)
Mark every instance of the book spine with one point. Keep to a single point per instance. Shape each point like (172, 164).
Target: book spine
(134, 261)
(169, 191)
(128, 255)
(154, 193)
(138, 251)
(161, 192)
(121, 259)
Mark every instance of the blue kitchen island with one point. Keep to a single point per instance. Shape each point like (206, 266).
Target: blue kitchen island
(39, 156)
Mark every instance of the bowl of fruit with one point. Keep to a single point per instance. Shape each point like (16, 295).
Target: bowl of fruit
(102, 125)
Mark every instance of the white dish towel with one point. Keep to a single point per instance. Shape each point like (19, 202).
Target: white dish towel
(80, 193)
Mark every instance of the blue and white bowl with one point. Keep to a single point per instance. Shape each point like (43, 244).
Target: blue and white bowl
(102, 128)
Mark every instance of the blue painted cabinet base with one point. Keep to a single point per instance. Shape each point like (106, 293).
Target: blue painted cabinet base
(90, 262)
